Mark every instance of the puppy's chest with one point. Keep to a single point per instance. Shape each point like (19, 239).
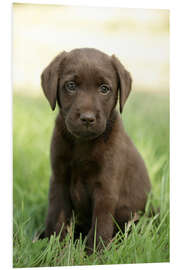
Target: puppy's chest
(83, 177)
(85, 162)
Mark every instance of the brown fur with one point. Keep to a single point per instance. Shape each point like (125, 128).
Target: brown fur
(97, 173)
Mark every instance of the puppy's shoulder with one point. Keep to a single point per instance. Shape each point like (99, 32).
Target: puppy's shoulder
(119, 138)
(61, 142)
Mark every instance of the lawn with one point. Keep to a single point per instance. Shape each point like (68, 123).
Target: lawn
(146, 119)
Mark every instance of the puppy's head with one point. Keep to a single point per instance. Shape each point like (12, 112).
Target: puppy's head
(85, 83)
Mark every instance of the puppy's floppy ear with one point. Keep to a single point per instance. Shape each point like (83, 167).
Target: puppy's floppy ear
(125, 81)
(49, 79)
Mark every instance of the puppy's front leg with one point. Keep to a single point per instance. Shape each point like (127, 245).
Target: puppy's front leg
(60, 209)
(104, 203)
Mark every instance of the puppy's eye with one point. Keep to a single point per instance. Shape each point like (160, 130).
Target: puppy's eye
(70, 86)
(104, 89)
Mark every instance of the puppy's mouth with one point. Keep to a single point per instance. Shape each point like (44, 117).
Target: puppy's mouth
(83, 132)
(85, 135)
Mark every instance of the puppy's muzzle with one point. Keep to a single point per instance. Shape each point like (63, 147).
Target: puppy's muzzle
(88, 119)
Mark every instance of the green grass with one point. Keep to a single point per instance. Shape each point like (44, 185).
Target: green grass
(146, 119)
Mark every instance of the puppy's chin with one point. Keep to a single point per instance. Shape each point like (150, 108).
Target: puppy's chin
(84, 133)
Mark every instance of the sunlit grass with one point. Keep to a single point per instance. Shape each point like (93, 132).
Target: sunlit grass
(146, 119)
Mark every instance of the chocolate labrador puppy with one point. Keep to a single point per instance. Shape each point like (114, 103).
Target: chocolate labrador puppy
(97, 173)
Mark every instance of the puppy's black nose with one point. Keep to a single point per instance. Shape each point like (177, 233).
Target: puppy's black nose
(88, 118)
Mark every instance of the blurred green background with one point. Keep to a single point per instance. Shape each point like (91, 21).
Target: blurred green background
(140, 38)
